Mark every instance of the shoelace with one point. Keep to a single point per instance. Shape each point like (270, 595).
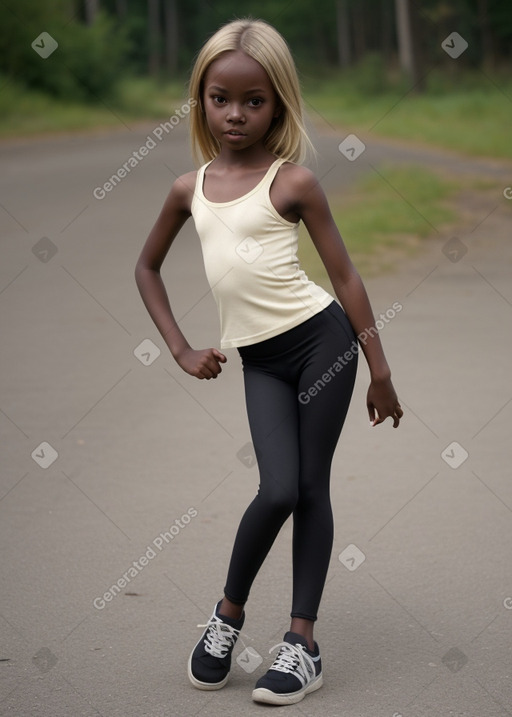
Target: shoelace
(292, 658)
(220, 637)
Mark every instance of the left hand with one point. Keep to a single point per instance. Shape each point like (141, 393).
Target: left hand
(382, 402)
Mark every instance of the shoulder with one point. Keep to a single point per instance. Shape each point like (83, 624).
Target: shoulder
(182, 191)
(297, 172)
(301, 185)
(185, 185)
(298, 178)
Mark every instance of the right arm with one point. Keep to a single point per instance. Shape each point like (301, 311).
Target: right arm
(175, 212)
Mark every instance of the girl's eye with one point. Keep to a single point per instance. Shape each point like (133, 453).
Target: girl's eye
(255, 102)
(218, 99)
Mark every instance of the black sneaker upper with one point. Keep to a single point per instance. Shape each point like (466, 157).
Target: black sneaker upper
(294, 667)
(211, 658)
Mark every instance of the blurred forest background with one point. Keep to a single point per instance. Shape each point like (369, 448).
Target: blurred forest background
(131, 59)
(102, 40)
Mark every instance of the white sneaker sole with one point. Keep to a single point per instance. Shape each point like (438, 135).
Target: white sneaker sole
(261, 694)
(203, 685)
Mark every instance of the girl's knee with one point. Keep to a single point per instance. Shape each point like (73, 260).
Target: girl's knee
(279, 503)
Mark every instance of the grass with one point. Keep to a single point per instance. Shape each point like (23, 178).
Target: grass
(384, 218)
(24, 113)
(472, 117)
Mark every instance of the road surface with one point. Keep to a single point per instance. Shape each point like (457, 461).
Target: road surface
(123, 479)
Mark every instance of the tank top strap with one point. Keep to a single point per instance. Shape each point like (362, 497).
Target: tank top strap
(271, 174)
(200, 178)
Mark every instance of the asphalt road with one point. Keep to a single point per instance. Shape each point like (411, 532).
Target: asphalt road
(123, 479)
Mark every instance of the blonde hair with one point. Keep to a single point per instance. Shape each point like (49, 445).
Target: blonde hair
(287, 136)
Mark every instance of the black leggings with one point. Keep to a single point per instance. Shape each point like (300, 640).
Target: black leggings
(298, 387)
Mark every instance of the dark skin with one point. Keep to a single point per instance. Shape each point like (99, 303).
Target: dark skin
(240, 104)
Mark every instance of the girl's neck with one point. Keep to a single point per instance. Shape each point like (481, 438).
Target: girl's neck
(250, 158)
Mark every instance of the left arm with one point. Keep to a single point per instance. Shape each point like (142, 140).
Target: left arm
(313, 209)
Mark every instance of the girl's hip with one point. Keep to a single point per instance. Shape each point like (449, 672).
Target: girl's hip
(328, 331)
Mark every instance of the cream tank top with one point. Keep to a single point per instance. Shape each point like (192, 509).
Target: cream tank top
(250, 258)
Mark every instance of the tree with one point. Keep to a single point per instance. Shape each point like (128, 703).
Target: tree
(154, 35)
(409, 49)
(343, 33)
(91, 8)
(171, 36)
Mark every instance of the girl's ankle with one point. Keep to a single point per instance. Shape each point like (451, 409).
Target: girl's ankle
(230, 609)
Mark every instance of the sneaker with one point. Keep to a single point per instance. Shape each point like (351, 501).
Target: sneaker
(296, 672)
(210, 661)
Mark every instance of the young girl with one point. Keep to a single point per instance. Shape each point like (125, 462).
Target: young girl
(297, 345)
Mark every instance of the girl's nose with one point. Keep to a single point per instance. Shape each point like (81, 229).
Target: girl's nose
(235, 113)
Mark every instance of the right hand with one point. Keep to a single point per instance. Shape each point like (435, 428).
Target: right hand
(204, 363)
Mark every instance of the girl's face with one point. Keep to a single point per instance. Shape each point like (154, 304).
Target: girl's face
(239, 101)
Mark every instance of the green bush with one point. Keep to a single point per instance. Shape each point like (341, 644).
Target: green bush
(369, 75)
(94, 57)
(86, 63)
